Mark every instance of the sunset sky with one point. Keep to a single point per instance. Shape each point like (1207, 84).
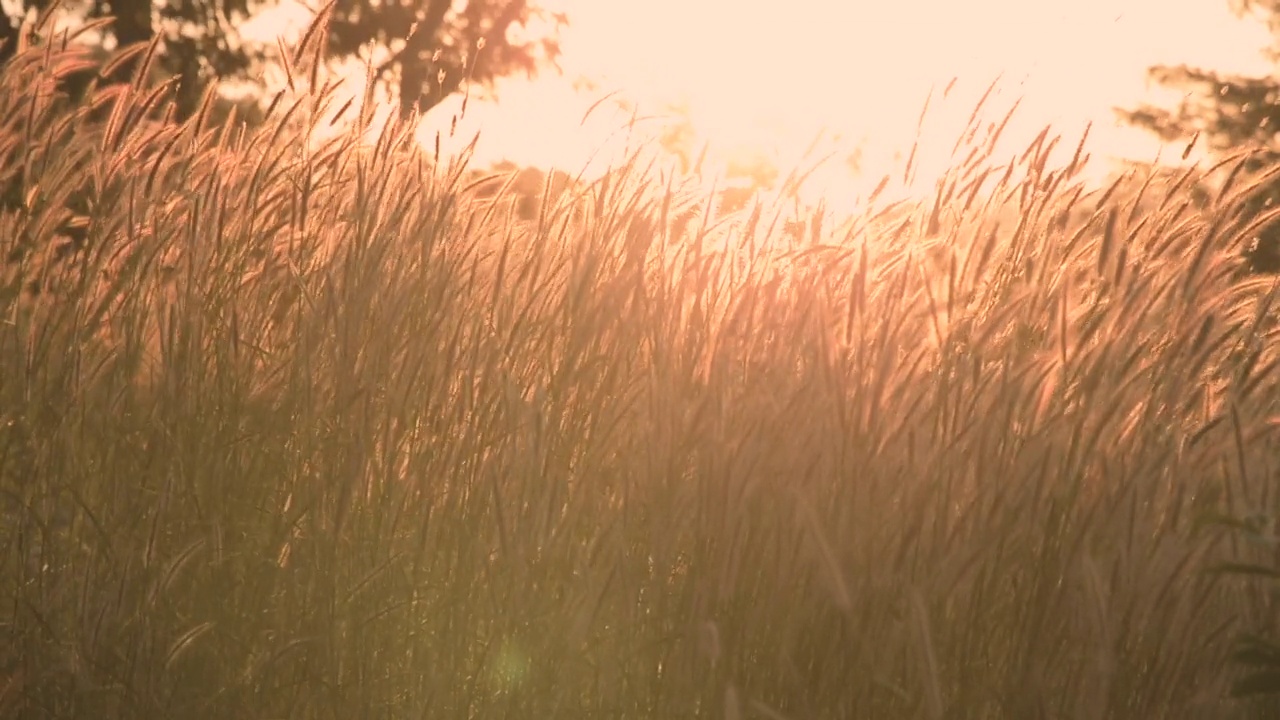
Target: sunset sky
(759, 80)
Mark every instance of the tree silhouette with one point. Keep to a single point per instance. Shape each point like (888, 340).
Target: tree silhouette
(200, 43)
(437, 45)
(1229, 112)
(423, 50)
(8, 37)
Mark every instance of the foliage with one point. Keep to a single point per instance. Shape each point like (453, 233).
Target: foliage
(439, 46)
(1229, 112)
(199, 40)
(525, 188)
(433, 47)
(302, 430)
(1255, 652)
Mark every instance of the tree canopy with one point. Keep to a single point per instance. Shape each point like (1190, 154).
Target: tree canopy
(1228, 112)
(199, 40)
(437, 45)
(422, 50)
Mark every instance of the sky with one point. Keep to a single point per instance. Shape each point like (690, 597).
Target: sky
(759, 80)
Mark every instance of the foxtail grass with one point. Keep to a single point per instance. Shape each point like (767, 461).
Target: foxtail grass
(307, 429)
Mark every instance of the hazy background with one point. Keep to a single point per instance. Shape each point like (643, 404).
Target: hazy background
(758, 82)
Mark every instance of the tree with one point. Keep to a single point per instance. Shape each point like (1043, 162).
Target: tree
(200, 43)
(438, 45)
(745, 174)
(1228, 112)
(432, 47)
(8, 37)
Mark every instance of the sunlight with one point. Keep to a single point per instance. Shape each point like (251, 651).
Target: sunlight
(326, 427)
(754, 78)
(757, 82)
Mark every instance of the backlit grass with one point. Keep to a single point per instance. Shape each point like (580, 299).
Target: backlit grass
(311, 431)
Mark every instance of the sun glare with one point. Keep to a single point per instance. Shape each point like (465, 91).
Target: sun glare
(761, 80)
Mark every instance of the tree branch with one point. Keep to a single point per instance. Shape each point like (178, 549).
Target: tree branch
(428, 28)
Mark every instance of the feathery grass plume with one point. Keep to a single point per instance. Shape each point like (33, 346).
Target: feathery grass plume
(310, 429)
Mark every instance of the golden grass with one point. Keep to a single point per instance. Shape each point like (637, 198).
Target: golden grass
(307, 432)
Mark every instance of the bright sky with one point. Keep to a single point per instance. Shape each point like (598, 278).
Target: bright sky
(764, 77)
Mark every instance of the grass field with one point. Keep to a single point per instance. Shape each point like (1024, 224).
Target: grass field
(307, 432)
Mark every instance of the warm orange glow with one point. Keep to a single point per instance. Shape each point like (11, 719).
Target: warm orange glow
(763, 78)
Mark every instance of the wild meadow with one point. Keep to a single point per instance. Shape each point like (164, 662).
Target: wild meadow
(307, 429)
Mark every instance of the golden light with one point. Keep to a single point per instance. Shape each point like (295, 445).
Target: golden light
(763, 79)
(767, 77)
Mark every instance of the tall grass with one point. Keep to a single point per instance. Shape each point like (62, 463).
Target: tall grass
(304, 431)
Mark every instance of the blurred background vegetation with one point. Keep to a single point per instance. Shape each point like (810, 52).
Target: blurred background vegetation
(423, 51)
(312, 433)
(1228, 113)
